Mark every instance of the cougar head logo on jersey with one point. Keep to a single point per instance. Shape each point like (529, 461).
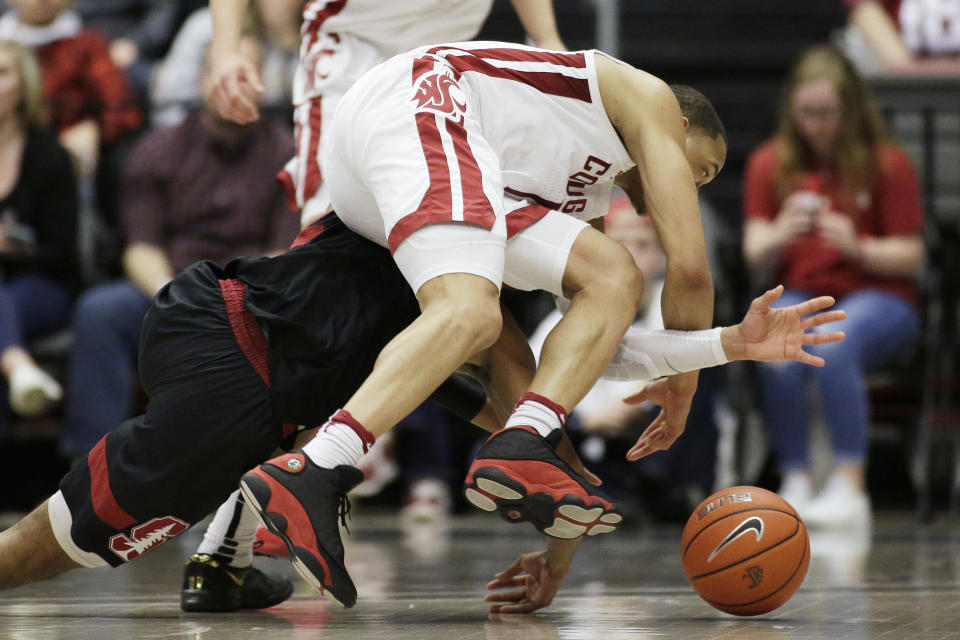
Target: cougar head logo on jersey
(440, 93)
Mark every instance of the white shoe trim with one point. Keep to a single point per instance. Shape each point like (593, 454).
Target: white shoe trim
(60, 522)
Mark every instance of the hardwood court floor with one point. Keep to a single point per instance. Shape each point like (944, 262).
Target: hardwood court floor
(901, 583)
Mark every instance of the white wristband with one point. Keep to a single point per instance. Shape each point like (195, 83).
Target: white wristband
(645, 354)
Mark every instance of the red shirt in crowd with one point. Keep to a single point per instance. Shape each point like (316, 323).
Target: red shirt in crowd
(809, 263)
(81, 82)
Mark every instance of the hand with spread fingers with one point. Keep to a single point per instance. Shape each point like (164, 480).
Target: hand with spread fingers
(763, 334)
(533, 577)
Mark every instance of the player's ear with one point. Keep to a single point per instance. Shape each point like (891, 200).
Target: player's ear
(686, 122)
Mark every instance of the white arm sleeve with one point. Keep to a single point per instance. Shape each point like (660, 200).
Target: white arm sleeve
(645, 354)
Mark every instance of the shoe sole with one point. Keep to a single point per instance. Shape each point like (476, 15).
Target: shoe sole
(566, 518)
(275, 523)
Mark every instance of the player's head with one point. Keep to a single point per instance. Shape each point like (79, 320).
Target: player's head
(828, 116)
(21, 94)
(706, 137)
(39, 12)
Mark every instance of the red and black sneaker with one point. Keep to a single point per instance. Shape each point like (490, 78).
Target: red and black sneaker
(519, 474)
(268, 544)
(304, 505)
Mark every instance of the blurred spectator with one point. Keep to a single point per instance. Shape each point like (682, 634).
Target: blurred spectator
(175, 87)
(669, 483)
(201, 190)
(90, 100)
(904, 36)
(38, 221)
(139, 31)
(833, 208)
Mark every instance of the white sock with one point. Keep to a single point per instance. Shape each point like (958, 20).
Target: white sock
(341, 440)
(231, 534)
(538, 412)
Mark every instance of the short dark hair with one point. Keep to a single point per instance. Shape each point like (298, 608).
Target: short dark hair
(698, 110)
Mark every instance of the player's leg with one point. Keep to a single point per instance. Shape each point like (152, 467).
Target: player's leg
(30, 552)
(518, 472)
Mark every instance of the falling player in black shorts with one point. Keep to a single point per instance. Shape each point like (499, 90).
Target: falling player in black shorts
(234, 358)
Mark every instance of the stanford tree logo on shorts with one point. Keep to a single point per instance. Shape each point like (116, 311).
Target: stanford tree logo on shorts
(440, 93)
(146, 536)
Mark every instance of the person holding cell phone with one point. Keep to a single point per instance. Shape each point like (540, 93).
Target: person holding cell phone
(832, 207)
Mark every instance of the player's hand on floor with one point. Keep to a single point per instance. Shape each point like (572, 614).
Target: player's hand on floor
(236, 88)
(669, 423)
(781, 334)
(531, 585)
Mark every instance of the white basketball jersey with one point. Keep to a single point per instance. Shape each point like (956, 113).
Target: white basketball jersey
(344, 38)
(541, 113)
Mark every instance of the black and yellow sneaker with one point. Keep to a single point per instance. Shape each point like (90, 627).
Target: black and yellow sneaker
(210, 585)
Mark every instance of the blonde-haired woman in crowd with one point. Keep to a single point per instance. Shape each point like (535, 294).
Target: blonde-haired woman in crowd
(38, 220)
(832, 207)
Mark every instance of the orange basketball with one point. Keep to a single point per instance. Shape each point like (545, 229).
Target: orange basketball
(745, 550)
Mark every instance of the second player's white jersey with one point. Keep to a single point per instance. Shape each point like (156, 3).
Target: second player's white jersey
(541, 113)
(365, 32)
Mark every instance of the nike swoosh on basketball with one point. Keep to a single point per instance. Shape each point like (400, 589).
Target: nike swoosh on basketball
(753, 523)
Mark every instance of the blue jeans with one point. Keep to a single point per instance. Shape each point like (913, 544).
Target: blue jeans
(31, 306)
(102, 367)
(880, 326)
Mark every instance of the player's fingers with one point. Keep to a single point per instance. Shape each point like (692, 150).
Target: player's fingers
(510, 571)
(506, 596)
(251, 78)
(523, 607)
(824, 338)
(640, 396)
(813, 305)
(810, 359)
(502, 583)
(769, 297)
(825, 317)
(591, 477)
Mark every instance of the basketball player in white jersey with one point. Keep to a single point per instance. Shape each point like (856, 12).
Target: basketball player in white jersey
(479, 164)
(340, 41)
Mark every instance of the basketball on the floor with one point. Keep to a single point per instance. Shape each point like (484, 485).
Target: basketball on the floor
(745, 550)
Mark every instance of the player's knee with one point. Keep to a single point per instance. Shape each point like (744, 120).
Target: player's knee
(620, 281)
(478, 321)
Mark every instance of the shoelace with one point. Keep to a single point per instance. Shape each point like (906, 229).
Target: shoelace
(343, 510)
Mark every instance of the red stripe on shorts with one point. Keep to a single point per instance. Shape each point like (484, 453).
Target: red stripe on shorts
(520, 219)
(312, 177)
(104, 503)
(543, 202)
(550, 82)
(437, 202)
(248, 334)
(476, 207)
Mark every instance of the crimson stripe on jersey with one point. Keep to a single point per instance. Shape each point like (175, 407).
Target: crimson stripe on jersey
(520, 219)
(437, 202)
(311, 27)
(550, 82)
(312, 178)
(543, 202)
(476, 206)
(104, 503)
(573, 60)
(422, 66)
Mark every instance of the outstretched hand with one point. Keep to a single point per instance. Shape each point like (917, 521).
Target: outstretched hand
(669, 423)
(781, 334)
(532, 583)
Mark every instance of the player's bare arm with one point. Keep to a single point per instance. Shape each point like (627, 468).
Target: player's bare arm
(236, 82)
(646, 113)
(540, 23)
